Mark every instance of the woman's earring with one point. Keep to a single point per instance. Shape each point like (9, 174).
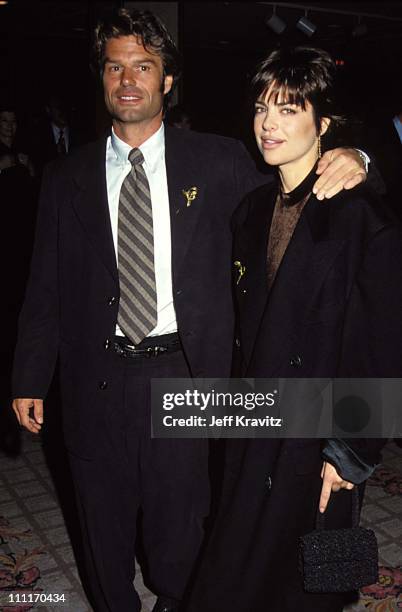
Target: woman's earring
(319, 147)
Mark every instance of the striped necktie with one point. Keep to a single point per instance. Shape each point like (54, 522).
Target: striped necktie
(137, 314)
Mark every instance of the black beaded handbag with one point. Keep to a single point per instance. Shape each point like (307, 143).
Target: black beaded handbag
(339, 560)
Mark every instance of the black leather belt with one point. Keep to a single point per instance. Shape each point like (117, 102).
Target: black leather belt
(149, 347)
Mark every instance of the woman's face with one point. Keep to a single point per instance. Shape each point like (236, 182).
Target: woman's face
(8, 125)
(286, 134)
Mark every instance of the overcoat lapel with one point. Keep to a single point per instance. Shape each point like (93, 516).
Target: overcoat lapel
(91, 206)
(183, 173)
(305, 265)
(250, 251)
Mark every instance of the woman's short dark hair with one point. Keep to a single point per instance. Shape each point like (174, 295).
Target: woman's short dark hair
(143, 25)
(303, 74)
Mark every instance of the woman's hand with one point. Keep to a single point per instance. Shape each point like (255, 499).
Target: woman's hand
(25, 161)
(338, 169)
(331, 481)
(7, 161)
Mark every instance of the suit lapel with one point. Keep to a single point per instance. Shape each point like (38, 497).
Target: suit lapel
(183, 175)
(91, 206)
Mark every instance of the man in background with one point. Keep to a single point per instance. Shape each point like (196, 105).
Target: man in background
(384, 139)
(55, 134)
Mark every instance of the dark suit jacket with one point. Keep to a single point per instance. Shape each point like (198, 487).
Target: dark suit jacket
(383, 141)
(72, 296)
(43, 147)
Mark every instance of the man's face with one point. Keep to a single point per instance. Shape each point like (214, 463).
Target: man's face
(8, 125)
(57, 113)
(133, 82)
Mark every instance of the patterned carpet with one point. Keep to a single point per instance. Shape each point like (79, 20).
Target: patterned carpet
(382, 512)
(37, 558)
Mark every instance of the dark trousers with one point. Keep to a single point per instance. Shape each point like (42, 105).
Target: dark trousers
(161, 484)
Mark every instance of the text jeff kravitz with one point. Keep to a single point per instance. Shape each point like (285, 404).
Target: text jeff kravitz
(225, 421)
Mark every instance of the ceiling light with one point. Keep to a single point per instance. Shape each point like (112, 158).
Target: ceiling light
(306, 26)
(276, 24)
(360, 29)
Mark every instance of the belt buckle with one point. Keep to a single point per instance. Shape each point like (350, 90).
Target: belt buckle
(130, 350)
(155, 351)
(119, 350)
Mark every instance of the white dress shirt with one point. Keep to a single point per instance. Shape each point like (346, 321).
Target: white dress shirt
(398, 126)
(117, 168)
(66, 135)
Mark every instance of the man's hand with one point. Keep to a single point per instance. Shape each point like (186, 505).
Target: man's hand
(338, 169)
(331, 481)
(29, 413)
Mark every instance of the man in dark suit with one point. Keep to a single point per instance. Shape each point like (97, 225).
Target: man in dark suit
(156, 201)
(55, 134)
(384, 139)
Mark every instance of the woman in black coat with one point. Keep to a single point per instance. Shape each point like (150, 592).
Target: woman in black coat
(319, 295)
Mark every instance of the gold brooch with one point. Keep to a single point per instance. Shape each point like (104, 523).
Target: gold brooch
(241, 270)
(190, 195)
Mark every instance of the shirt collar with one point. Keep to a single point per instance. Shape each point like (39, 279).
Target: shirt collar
(57, 130)
(152, 149)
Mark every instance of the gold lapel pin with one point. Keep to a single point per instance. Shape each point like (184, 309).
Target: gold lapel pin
(190, 195)
(241, 270)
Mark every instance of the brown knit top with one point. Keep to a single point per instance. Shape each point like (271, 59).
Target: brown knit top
(287, 211)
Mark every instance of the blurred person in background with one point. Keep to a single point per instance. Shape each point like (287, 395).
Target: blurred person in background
(18, 196)
(56, 134)
(384, 138)
(178, 117)
(12, 156)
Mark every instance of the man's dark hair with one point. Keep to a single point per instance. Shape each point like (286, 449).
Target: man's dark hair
(145, 26)
(301, 74)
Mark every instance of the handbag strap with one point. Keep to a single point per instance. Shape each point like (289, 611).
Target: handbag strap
(320, 519)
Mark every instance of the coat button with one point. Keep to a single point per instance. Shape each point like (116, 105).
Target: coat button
(268, 483)
(296, 361)
(111, 301)
(103, 385)
(237, 342)
(106, 344)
